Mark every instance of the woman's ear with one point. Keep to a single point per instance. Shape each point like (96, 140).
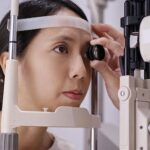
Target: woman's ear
(3, 58)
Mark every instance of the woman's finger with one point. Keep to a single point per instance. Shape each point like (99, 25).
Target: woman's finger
(102, 67)
(111, 79)
(111, 31)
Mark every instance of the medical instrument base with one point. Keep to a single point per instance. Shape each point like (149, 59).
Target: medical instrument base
(9, 141)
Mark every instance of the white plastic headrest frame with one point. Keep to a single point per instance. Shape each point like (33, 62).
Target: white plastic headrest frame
(53, 21)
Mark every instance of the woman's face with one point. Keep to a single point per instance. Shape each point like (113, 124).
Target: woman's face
(54, 71)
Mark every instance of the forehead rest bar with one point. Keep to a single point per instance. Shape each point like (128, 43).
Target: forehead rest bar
(52, 21)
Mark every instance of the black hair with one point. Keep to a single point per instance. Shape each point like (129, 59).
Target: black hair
(29, 9)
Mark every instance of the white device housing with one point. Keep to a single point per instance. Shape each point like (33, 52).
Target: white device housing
(144, 38)
(12, 116)
(134, 95)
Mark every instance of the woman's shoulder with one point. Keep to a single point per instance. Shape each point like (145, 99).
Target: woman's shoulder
(61, 144)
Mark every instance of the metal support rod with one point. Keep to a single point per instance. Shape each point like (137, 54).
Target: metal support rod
(127, 40)
(13, 37)
(9, 136)
(13, 29)
(94, 110)
(94, 141)
(96, 103)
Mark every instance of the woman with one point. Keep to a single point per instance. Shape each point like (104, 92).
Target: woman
(53, 70)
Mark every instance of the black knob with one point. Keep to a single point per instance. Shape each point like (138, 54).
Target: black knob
(96, 52)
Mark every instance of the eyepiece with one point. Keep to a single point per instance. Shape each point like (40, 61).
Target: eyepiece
(95, 52)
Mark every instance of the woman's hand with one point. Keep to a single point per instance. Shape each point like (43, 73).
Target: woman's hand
(113, 41)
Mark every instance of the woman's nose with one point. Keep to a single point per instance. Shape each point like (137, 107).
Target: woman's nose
(77, 68)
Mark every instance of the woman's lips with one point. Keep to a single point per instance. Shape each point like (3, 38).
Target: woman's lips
(75, 95)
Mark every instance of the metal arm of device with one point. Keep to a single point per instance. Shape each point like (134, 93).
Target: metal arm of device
(9, 137)
(134, 86)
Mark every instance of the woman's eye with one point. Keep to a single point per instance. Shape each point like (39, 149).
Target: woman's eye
(61, 49)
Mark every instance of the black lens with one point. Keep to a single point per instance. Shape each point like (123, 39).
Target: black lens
(95, 52)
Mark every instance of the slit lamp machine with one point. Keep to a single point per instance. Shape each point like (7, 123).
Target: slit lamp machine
(12, 115)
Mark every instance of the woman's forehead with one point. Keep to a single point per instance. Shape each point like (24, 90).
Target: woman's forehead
(70, 34)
